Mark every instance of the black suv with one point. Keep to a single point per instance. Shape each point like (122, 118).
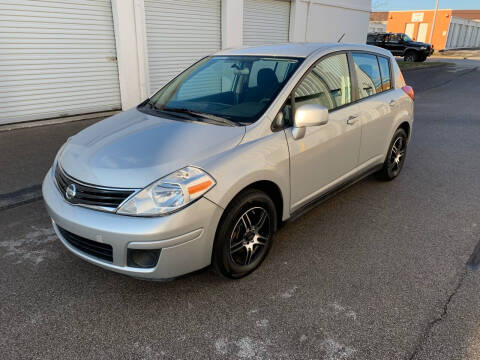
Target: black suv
(401, 45)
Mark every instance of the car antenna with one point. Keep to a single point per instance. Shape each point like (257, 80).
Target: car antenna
(341, 37)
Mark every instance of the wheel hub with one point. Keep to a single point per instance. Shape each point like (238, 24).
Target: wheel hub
(398, 151)
(397, 158)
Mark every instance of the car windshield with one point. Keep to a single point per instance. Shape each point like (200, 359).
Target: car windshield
(228, 89)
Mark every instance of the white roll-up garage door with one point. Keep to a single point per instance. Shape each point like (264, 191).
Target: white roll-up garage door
(179, 32)
(57, 58)
(266, 21)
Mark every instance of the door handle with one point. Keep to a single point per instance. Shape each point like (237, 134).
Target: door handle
(352, 119)
(392, 103)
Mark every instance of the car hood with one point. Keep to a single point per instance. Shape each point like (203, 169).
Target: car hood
(133, 149)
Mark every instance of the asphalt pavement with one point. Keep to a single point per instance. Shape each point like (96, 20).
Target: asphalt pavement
(377, 272)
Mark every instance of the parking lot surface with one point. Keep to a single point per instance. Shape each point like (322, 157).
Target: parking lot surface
(377, 272)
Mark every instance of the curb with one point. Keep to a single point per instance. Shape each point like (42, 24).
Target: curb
(53, 121)
(427, 67)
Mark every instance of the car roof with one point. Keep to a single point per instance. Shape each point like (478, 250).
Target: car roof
(385, 33)
(301, 50)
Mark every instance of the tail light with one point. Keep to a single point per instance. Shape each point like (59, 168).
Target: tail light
(409, 91)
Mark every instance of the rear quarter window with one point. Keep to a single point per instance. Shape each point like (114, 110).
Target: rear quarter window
(385, 73)
(369, 80)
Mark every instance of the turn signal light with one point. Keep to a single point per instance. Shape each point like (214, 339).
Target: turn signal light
(199, 187)
(409, 91)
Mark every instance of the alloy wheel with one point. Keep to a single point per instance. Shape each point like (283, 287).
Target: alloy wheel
(397, 156)
(250, 236)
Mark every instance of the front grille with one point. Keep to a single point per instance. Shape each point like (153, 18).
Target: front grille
(89, 195)
(96, 249)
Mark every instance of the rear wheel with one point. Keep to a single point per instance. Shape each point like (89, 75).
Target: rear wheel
(396, 156)
(411, 56)
(245, 234)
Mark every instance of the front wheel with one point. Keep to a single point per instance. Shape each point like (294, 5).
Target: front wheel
(396, 156)
(245, 234)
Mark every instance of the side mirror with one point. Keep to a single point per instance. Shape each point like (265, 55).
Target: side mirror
(308, 115)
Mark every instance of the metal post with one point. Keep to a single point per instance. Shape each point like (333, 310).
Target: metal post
(433, 23)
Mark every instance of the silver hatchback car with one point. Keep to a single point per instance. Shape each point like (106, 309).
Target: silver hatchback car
(205, 170)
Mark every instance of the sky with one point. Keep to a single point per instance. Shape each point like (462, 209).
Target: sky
(385, 5)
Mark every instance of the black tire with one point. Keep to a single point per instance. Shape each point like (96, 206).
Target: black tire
(422, 58)
(241, 234)
(396, 155)
(411, 56)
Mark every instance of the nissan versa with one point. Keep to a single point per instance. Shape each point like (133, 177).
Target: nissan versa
(205, 170)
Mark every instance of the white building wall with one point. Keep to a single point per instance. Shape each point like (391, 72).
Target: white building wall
(377, 26)
(232, 23)
(129, 23)
(310, 20)
(307, 20)
(328, 20)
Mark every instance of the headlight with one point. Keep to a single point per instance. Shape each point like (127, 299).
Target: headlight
(171, 193)
(423, 48)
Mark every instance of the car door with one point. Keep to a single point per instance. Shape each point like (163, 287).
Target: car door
(394, 43)
(376, 102)
(330, 151)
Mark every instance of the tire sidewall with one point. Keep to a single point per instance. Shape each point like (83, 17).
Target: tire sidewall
(411, 57)
(398, 133)
(221, 249)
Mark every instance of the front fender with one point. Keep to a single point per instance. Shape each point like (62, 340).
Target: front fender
(262, 159)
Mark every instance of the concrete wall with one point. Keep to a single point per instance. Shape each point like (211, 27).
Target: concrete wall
(232, 23)
(130, 38)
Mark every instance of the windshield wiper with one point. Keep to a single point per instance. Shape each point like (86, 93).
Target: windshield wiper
(207, 116)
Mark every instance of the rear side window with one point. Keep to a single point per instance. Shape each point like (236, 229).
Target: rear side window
(385, 72)
(369, 81)
(327, 84)
(395, 38)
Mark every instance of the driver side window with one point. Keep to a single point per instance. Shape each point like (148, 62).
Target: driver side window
(327, 84)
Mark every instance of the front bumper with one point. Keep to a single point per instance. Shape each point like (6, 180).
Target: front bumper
(185, 237)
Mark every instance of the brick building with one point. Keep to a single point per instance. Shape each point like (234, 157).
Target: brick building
(453, 28)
